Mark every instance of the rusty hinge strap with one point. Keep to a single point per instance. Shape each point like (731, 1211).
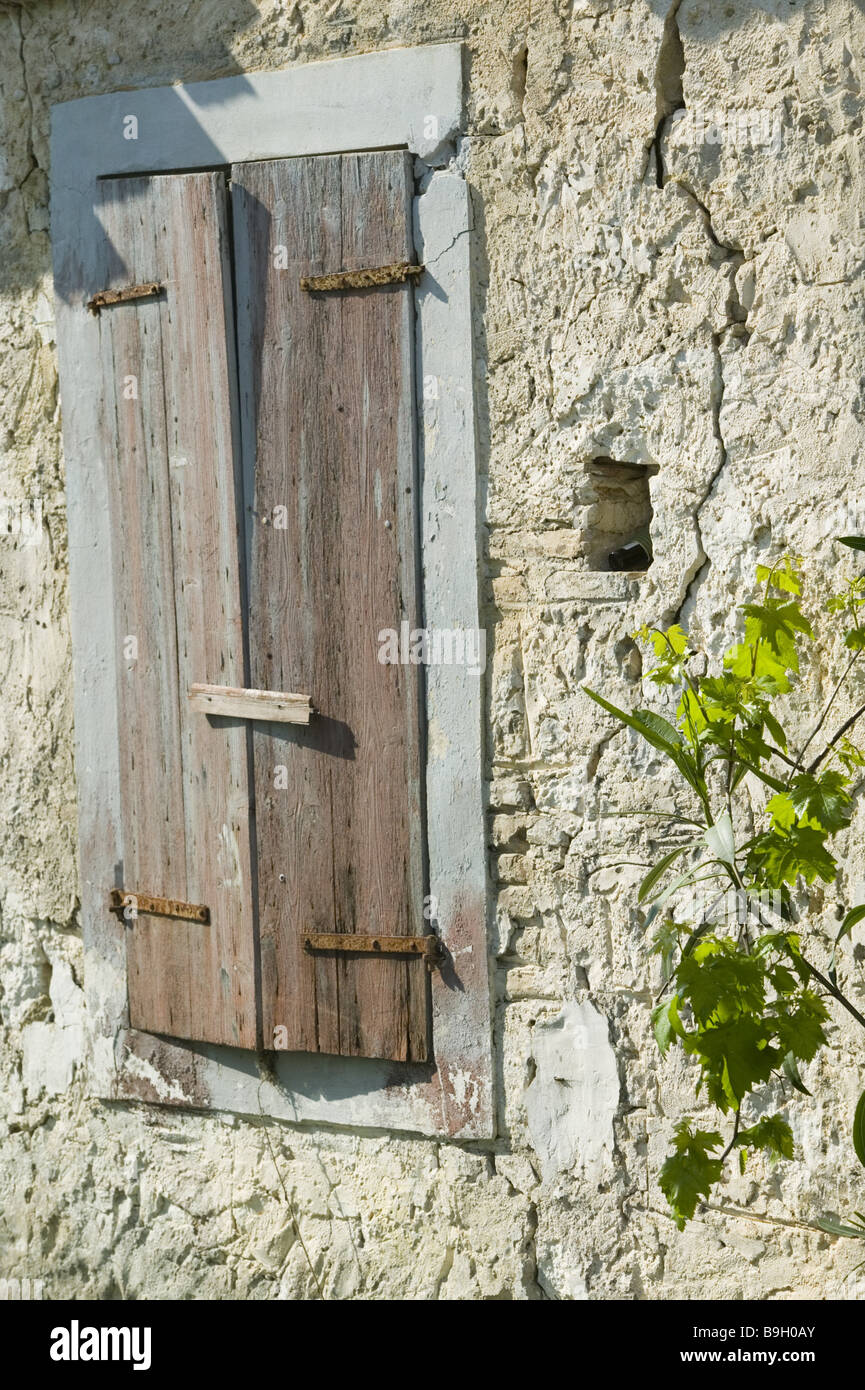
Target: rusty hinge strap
(106, 297)
(428, 948)
(133, 904)
(394, 274)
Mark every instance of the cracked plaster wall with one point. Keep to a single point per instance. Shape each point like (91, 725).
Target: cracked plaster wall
(641, 295)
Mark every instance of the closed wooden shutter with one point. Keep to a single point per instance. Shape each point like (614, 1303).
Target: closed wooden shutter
(282, 832)
(328, 439)
(169, 382)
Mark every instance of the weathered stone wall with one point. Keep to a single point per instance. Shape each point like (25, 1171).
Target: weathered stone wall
(643, 293)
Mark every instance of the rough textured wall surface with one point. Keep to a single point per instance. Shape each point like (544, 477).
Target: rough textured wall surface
(652, 286)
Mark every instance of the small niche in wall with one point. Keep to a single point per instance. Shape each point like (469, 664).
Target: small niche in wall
(619, 515)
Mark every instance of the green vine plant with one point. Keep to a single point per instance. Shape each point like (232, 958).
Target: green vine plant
(745, 993)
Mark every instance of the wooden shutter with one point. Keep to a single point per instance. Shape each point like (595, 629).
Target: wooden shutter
(329, 465)
(169, 380)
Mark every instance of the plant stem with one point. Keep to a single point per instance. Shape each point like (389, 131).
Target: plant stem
(835, 992)
(822, 979)
(822, 720)
(848, 724)
(729, 1149)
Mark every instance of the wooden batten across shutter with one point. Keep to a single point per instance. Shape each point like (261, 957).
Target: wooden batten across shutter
(329, 466)
(169, 432)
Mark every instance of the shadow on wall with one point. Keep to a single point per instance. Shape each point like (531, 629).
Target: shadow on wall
(20, 271)
(134, 145)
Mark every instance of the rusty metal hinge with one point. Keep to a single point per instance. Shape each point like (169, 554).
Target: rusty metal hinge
(107, 297)
(145, 904)
(394, 274)
(428, 948)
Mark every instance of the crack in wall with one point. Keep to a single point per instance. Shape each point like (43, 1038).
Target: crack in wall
(16, 14)
(736, 326)
(669, 89)
(669, 86)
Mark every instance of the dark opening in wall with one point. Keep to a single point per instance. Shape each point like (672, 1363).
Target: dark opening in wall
(619, 516)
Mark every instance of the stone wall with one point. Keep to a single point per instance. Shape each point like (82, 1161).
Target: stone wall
(668, 271)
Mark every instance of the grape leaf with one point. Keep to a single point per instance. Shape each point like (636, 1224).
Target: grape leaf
(689, 1173)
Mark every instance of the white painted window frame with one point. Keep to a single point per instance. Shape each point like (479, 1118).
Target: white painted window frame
(410, 98)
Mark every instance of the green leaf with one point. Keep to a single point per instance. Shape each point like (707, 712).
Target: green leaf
(659, 870)
(859, 1130)
(735, 1057)
(720, 982)
(822, 801)
(854, 542)
(783, 982)
(666, 1023)
(800, 1027)
(776, 624)
(665, 943)
(653, 727)
(689, 1174)
(782, 576)
(849, 756)
(771, 1133)
(853, 918)
(662, 735)
(790, 1068)
(838, 1228)
(670, 642)
(751, 765)
(782, 856)
(782, 811)
(775, 729)
(719, 838)
(748, 659)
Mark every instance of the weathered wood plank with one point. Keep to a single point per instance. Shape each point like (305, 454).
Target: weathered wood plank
(275, 331)
(135, 443)
(270, 705)
(328, 438)
(378, 823)
(185, 802)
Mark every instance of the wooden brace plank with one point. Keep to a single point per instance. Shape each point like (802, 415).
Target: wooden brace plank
(272, 706)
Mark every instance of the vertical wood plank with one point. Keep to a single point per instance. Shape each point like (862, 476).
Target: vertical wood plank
(175, 527)
(329, 449)
(151, 781)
